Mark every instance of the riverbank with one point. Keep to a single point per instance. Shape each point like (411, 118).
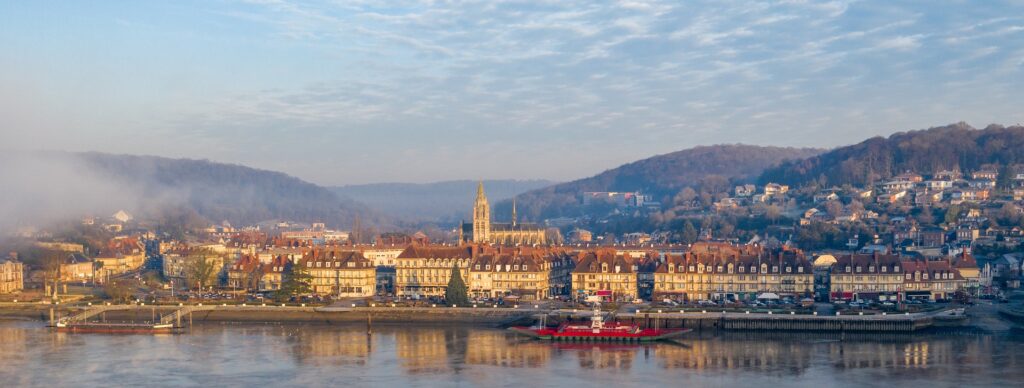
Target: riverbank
(979, 318)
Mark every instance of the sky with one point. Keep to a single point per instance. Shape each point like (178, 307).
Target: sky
(348, 92)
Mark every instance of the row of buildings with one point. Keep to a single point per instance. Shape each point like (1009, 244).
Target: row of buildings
(704, 271)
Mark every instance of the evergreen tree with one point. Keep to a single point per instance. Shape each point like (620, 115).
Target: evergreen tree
(690, 233)
(296, 281)
(456, 294)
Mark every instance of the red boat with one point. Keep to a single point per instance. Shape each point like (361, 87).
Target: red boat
(598, 330)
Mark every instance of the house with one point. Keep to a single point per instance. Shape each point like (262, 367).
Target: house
(77, 268)
(119, 256)
(931, 279)
(967, 233)
(605, 274)
(950, 175)
(274, 272)
(424, 271)
(775, 189)
(122, 216)
(897, 186)
(891, 197)
(719, 271)
(745, 190)
(506, 275)
(12, 276)
(245, 273)
(908, 177)
(867, 277)
(340, 273)
(826, 196)
(938, 184)
(981, 184)
(985, 175)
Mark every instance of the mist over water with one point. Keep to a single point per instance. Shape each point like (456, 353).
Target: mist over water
(299, 355)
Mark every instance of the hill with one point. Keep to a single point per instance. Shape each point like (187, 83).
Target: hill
(955, 146)
(57, 186)
(661, 176)
(443, 202)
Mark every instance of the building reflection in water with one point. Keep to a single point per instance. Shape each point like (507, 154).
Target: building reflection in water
(762, 356)
(332, 347)
(600, 356)
(496, 348)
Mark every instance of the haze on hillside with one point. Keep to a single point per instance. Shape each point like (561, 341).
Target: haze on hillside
(340, 93)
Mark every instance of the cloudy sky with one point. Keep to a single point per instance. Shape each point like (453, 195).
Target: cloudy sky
(361, 91)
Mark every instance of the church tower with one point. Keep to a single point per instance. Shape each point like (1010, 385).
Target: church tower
(481, 216)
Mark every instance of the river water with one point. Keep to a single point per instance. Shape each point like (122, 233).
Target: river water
(217, 355)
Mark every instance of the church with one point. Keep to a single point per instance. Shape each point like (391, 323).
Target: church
(482, 230)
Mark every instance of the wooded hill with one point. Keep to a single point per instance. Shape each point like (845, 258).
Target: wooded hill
(956, 146)
(661, 176)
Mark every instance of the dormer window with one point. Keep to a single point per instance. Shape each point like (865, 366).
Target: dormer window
(692, 268)
(800, 269)
(525, 268)
(719, 269)
(884, 268)
(742, 268)
(858, 269)
(775, 268)
(925, 276)
(896, 269)
(848, 269)
(908, 276)
(516, 267)
(618, 269)
(789, 269)
(478, 267)
(488, 267)
(871, 268)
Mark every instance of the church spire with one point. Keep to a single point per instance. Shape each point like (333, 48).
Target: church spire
(480, 191)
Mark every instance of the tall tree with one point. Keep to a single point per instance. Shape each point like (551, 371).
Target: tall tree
(201, 270)
(296, 281)
(690, 233)
(456, 294)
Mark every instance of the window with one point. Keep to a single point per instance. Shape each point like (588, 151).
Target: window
(789, 269)
(896, 269)
(908, 276)
(742, 268)
(692, 268)
(800, 269)
(525, 268)
(775, 268)
(884, 268)
(478, 267)
(871, 268)
(848, 269)
(858, 269)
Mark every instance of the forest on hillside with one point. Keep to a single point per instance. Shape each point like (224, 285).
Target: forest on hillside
(957, 146)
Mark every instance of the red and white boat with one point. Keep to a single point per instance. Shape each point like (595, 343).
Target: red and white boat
(598, 330)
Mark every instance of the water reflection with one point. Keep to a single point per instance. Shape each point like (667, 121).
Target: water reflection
(35, 356)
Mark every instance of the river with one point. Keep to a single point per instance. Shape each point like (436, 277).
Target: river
(219, 355)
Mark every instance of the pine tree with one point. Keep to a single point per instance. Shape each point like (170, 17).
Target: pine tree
(456, 294)
(296, 281)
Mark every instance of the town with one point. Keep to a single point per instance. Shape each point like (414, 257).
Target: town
(909, 262)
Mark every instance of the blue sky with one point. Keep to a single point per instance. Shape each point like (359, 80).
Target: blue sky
(358, 91)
